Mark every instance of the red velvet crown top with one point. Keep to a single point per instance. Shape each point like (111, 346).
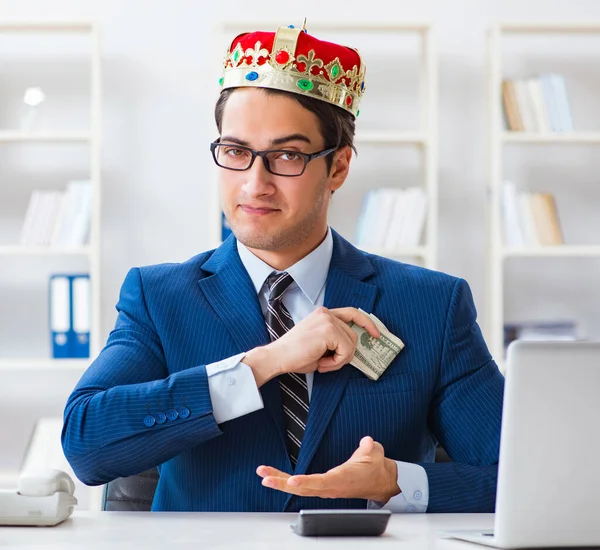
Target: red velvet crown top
(294, 61)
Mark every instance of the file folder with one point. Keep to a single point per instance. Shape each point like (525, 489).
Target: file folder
(60, 315)
(70, 316)
(80, 305)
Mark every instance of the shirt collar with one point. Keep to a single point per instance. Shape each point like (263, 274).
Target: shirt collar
(309, 273)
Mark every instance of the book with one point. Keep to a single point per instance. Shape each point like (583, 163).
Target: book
(514, 235)
(562, 102)
(545, 215)
(529, 219)
(392, 219)
(511, 106)
(530, 236)
(525, 104)
(58, 217)
(73, 222)
(550, 101)
(394, 235)
(415, 221)
(40, 217)
(539, 105)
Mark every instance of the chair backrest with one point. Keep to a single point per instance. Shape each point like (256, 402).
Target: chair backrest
(132, 493)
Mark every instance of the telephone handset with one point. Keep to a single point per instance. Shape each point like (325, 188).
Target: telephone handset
(43, 497)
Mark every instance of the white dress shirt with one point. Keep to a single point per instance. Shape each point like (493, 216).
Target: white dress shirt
(232, 386)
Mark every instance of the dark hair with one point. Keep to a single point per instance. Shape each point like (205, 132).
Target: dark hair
(337, 125)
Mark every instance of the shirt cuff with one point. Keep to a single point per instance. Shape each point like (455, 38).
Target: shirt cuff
(232, 389)
(414, 484)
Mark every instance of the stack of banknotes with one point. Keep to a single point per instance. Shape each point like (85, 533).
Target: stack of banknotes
(374, 355)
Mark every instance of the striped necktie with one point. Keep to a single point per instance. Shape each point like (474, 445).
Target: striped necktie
(294, 390)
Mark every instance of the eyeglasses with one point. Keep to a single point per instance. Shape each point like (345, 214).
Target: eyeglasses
(277, 162)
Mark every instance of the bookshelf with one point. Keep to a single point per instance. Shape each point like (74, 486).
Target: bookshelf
(423, 139)
(499, 138)
(11, 254)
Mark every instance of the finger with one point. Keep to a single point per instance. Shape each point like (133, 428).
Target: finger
(366, 445)
(343, 344)
(312, 482)
(352, 315)
(265, 471)
(305, 489)
(348, 330)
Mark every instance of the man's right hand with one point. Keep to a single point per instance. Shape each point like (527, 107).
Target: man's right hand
(322, 341)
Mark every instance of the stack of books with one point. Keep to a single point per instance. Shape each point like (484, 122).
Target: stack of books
(392, 219)
(530, 219)
(537, 104)
(58, 218)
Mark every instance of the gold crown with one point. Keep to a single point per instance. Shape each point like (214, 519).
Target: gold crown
(294, 61)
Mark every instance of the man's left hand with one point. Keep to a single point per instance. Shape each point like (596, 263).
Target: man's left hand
(367, 474)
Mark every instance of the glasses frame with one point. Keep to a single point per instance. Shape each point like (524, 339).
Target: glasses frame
(263, 154)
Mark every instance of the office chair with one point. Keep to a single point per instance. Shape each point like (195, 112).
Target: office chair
(130, 494)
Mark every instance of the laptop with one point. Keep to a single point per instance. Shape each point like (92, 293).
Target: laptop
(549, 471)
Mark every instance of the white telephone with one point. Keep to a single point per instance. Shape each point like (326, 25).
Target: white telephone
(43, 497)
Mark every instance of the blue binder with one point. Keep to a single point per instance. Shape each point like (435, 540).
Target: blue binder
(70, 306)
(80, 316)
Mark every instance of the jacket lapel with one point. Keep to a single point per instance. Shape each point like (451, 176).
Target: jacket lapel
(230, 292)
(345, 287)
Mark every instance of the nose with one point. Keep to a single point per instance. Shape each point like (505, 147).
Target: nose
(258, 182)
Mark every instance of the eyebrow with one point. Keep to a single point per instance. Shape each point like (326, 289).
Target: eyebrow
(276, 141)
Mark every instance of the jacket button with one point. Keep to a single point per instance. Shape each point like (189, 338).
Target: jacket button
(149, 421)
(161, 418)
(172, 414)
(184, 412)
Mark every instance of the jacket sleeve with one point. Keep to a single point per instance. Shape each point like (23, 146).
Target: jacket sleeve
(465, 414)
(120, 419)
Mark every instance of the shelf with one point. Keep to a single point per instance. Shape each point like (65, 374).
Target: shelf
(15, 136)
(393, 138)
(44, 364)
(46, 26)
(409, 251)
(564, 251)
(551, 138)
(550, 28)
(23, 250)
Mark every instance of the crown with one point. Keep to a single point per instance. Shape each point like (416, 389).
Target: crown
(294, 61)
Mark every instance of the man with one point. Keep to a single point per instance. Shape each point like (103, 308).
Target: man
(230, 371)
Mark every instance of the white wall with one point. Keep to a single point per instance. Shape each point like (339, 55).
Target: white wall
(160, 65)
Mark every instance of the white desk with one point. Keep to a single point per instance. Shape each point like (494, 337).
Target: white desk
(197, 531)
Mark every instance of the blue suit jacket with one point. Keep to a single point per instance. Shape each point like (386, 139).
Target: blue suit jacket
(174, 319)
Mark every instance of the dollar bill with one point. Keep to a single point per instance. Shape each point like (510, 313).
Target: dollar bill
(374, 355)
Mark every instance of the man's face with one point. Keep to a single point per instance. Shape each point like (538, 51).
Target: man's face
(265, 211)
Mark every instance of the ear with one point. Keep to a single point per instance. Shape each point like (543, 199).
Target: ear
(340, 167)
